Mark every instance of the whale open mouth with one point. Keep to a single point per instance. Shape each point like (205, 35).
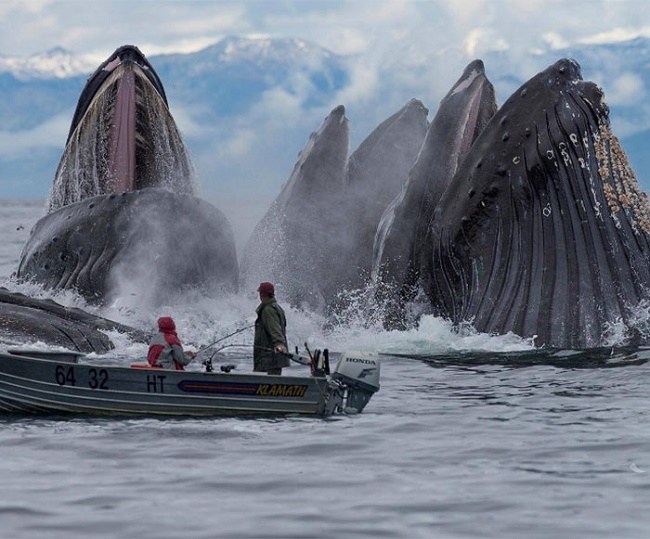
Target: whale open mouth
(123, 137)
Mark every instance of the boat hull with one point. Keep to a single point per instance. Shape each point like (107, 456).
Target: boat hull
(45, 386)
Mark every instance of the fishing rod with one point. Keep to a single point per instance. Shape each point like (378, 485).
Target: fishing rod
(224, 338)
(288, 355)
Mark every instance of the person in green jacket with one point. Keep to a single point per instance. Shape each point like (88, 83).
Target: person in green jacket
(270, 333)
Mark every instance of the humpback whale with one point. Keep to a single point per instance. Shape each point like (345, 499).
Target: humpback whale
(315, 241)
(287, 246)
(375, 174)
(462, 115)
(148, 242)
(25, 320)
(543, 231)
(123, 214)
(525, 219)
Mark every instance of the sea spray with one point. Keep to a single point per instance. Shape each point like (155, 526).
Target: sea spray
(201, 320)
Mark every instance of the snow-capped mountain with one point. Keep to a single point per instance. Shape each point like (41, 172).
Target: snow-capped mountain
(232, 75)
(57, 63)
(261, 51)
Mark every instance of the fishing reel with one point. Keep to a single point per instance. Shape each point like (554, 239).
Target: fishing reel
(223, 368)
(318, 362)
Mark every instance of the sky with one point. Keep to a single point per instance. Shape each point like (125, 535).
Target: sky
(378, 34)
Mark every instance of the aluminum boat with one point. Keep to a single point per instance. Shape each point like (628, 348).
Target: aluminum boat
(44, 382)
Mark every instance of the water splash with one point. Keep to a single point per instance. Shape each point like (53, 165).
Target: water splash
(640, 320)
(615, 333)
(201, 320)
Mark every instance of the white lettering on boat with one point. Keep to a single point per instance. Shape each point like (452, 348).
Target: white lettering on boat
(359, 360)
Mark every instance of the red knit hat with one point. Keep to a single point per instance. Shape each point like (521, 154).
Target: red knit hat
(166, 323)
(266, 288)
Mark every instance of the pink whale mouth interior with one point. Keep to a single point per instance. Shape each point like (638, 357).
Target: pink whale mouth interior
(122, 153)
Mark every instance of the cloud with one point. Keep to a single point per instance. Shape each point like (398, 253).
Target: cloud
(554, 40)
(10, 7)
(44, 136)
(347, 27)
(481, 40)
(378, 32)
(362, 86)
(184, 115)
(240, 144)
(30, 27)
(627, 89)
(615, 35)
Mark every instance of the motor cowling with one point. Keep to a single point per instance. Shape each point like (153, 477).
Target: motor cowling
(359, 373)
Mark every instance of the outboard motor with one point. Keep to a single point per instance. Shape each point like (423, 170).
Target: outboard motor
(359, 373)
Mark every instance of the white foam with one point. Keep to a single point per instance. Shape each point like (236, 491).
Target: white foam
(201, 321)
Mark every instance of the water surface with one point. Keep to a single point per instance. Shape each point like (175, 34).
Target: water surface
(469, 436)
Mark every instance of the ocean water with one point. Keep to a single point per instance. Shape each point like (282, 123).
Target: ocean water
(469, 436)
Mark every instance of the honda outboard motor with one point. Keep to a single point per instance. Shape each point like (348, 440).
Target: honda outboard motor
(359, 373)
